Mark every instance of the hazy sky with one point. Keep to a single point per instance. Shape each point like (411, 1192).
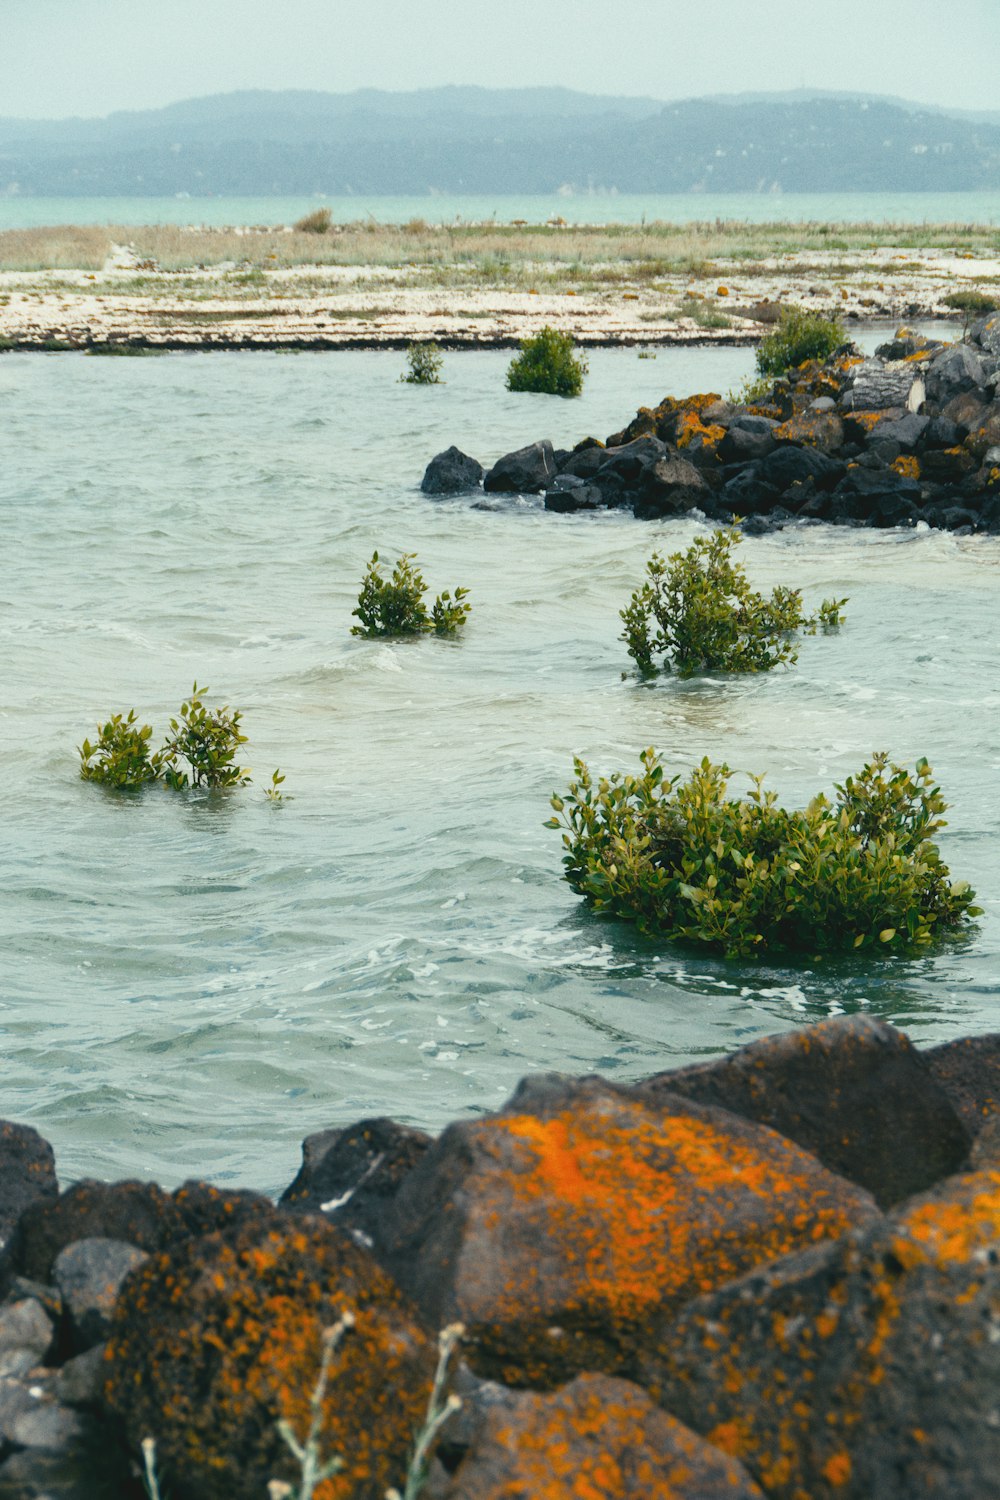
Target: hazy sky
(90, 57)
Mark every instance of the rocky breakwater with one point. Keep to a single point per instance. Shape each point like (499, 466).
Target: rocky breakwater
(910, 435)
(774, 1274)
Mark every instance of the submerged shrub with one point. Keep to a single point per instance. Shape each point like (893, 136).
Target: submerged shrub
(424, 363)
(395, 606)
(743, 875)
(200, 752)
(121, 755)
(548, 365)
(799, 336)
(698, 611)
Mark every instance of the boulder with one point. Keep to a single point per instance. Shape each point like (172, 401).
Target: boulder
(986, 333)
(27, 1173)
(906, 431)
(788, 464)
(853, 1090)
(596, 1439)
(552, 1229)
(821, 430)
(526, 471)
(957, 370)
(351, 1174)
(747, 494)
(218, 1339)
(947, 465)
(634, 459)
(941, 432)
(82, 1473)
(579, 497)
(743, 443)
(968, 1070)
(452, 473)
(25, 1336)
(966, 411)
(669, 487)
(89, 1274)
(585, 459)
(864, 1368)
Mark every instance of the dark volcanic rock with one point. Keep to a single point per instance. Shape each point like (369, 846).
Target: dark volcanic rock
(89, 1274)
(969, 1073)
(632, 460)
(553, 1229)
(25, 1336)
(862, 1369)
(853, 1091)
(218, 1338)
(670, 487)
(526, 471)
(743, 442)
(27, 1172)
(351, 1175)
(452, 473)
(573, 498)
(960, 368)
(596, 1439)
(788, 464)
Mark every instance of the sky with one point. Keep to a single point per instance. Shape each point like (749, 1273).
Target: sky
(93, 57)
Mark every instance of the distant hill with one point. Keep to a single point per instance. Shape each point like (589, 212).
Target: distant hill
(474, 140)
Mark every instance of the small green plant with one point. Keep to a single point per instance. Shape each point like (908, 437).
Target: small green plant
(974, 303)
(698, 611)
(752, 392)
(424, 363)
(440, 1407)
(121, 757)
(200, 752)
(744, 876)
(395, 606)
(547, 364)
(799, 336)
(208, 740)
(318, 222)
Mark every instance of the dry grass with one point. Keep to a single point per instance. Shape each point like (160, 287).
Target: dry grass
(481, 251)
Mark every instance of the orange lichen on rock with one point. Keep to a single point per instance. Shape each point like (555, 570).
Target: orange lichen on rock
(217, 1340)
(966, 1224)
(691, 426)
(908, 465)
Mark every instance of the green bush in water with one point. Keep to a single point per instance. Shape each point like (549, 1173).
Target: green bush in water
(423, 365)
(121, 755)
(395, 606)
(547, 364)
(799, 336)
(744, 876)
(698, 612)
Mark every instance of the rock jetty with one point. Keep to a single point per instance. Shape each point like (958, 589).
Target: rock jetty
(909, 435)
(776, 1274)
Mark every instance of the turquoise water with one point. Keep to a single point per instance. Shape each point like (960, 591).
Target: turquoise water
(191, 984)
(578, 208)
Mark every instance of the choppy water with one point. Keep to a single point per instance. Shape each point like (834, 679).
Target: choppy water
(191, 984)
(575, 208)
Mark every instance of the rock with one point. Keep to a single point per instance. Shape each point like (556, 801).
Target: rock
(743, 443)
(452, 473)
(552, 1229)
(821, 430)
(15, 1399)
(596, 1439)
(853, 1091)
(139, 1212)
(580, 497)
(906, 431)
(89, 1274)
(968, 1071)
(82, 1474)
(631, 461)
(526, 471)
(966, 411)
(80, 1381)
(859, 1369)
(905, 343)
(985, 434)
(942, 433)
(46, 1424)
(747, 494)
(25, 1336)
(670, 487)
(789, 464)
(27, 1172)
(216, 1339)
(986, 333)
(585, 460)
(957, 370)
(350, 1175)
(947, 465)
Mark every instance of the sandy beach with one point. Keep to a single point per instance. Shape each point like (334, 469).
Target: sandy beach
(129, 302)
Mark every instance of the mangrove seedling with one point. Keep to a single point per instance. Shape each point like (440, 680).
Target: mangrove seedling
(744, 876)
(208, 741)
(121, 757)
(423, 365)
(697, 611)
(395, 606)
(547, 364)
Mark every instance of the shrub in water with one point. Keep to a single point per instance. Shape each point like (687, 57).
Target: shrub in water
(424, 363)
(395, 606)
(121, 756)
(207, 740)
(684, 861)
(547, 364)
(200, 752)
(799, 336)
(698, 611)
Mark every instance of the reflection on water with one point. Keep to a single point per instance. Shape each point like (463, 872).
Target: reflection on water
(191, 984)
